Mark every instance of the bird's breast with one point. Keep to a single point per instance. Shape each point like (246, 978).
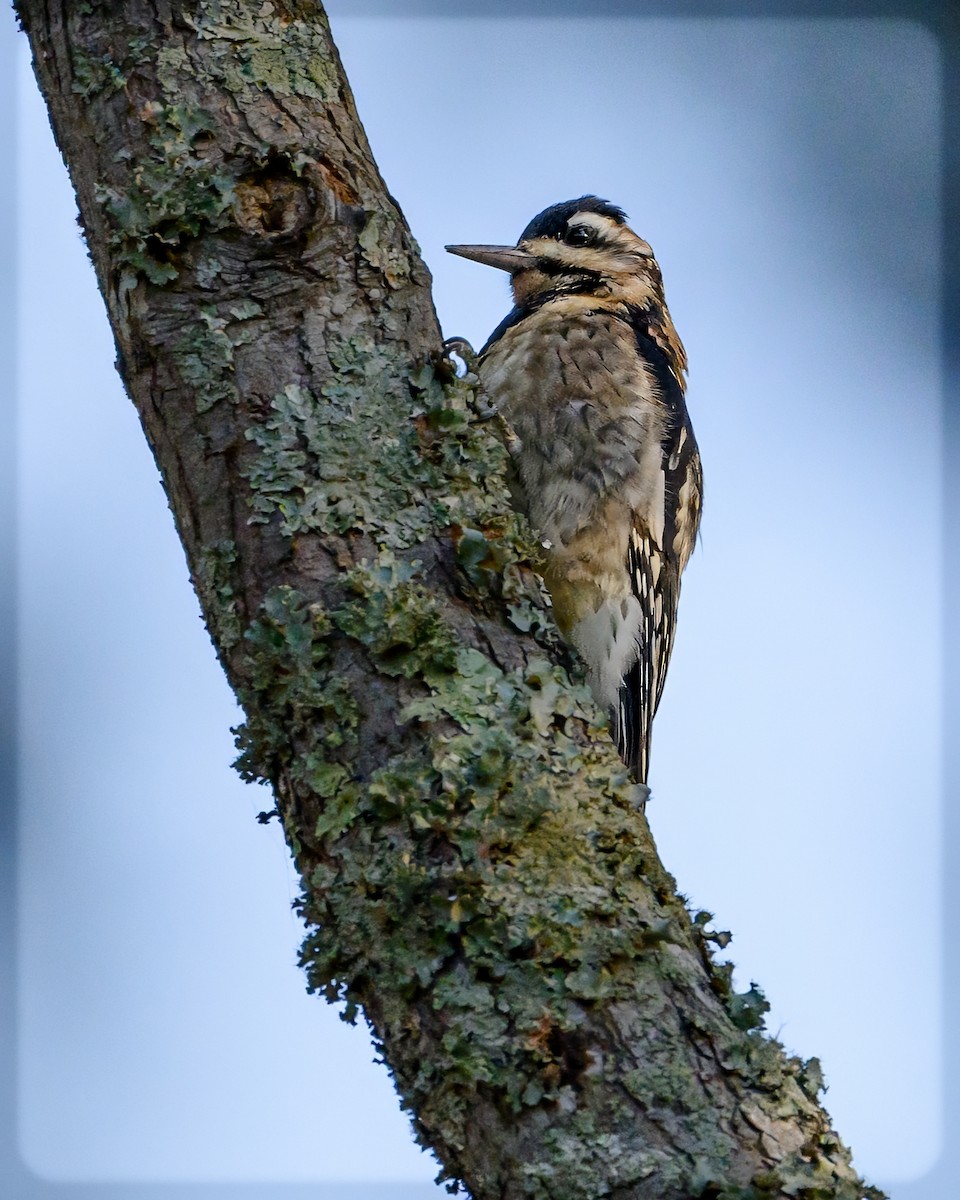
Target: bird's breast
(588, 417)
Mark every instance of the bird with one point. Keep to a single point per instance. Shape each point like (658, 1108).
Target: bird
(588, 376)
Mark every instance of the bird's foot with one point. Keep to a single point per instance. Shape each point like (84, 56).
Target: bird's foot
(482, 411)
(463, 356)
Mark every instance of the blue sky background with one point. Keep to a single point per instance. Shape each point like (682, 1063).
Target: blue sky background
(787, 175)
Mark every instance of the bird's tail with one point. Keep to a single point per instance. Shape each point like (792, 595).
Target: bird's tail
(656, 586)
(632, 718)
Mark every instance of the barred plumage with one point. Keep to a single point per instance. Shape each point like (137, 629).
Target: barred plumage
(588, 373)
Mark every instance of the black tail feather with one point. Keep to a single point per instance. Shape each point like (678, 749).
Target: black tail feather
(633, 720)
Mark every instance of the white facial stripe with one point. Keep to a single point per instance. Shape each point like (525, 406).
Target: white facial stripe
(593, 220)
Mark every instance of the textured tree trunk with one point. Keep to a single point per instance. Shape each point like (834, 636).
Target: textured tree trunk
(477, 877)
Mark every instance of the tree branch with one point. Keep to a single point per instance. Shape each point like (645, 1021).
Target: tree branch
(478, 878)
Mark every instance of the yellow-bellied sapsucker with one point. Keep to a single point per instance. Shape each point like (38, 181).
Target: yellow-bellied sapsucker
(588, 373)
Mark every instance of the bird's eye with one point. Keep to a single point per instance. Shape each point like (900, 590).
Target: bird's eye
(580, 235)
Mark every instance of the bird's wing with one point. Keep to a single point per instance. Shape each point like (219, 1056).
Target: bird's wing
(655, 585)
(655, 559)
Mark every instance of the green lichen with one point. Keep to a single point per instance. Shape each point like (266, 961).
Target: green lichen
(338, 463)
(204, 358)
(207, 270)
(93, 75)
(398, 470)
(812, 1174)
(299, 712)
(586, 1162)
(747, 1008)
(382, 244)
(263, 50)
(285, 68)
(172, 63)
(472, 693)
(170, 196)
(215, 584)
(398, 621)
(489, 777)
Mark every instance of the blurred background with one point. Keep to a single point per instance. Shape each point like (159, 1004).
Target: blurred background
(788, 176)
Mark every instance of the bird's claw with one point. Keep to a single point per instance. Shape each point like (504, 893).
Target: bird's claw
(459, 351)
(482, 410)
(458, 348)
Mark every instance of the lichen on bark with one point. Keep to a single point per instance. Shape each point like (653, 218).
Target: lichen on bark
(478, 878)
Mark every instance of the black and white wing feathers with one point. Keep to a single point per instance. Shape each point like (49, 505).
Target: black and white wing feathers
(655, 561)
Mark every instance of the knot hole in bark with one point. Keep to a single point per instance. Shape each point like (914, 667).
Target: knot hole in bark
(273, 202)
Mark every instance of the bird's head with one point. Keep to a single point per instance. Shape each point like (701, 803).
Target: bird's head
(581, 247)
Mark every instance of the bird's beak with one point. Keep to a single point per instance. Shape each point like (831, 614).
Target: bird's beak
(507, 258)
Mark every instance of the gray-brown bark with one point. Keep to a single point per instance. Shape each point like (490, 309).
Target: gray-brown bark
(477, 878)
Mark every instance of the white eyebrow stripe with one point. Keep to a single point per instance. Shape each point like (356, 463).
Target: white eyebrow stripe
(596, 221)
